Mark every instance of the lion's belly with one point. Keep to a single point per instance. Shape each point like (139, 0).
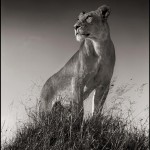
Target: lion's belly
(63, 90)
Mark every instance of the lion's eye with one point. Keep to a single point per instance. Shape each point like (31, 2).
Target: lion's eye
(89, 19)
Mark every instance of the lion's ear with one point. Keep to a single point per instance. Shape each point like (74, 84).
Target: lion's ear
(103, 11)
(81, 14)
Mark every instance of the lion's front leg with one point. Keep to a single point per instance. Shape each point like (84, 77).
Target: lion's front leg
(100, 95)
(77, 103)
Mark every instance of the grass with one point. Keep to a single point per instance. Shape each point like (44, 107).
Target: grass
(59, 130)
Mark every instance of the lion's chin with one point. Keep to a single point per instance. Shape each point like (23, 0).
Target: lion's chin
(80, 37)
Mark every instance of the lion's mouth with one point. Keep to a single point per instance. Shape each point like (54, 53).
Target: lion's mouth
(84, 34)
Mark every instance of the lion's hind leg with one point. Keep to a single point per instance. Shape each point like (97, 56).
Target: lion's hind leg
(46, 100)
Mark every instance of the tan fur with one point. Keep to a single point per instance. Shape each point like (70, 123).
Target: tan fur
(90, 68)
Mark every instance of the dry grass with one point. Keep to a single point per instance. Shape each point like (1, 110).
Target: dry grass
(60, 131)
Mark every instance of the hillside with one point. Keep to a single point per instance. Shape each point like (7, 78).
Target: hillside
(60, 131)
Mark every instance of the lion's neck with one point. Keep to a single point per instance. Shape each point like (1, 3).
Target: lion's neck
(99, 46)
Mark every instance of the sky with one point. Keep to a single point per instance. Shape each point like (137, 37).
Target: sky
(37, 39)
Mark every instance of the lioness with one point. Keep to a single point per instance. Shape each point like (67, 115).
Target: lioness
(90, 68)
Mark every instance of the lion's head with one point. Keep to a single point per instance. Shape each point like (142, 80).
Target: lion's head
(93, 24)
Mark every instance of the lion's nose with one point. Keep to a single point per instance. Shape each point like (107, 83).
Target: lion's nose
(76, 27)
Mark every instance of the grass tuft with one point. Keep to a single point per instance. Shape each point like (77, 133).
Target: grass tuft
(59, 130)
